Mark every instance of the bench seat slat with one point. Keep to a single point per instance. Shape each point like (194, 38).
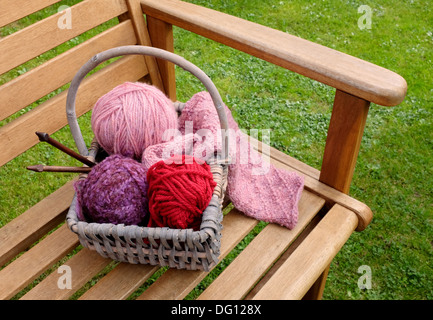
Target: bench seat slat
(19, 273)
(59, 70)
(84, 266)
(176, 284)
(32, 224)
(120, 282)
(293, 279)
(252, 263)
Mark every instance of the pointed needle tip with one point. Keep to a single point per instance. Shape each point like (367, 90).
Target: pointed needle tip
(36, 168)
(43, 136)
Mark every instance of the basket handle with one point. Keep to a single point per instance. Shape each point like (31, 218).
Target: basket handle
(142, 50)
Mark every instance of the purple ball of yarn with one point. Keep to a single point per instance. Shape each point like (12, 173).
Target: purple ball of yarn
(114, 191)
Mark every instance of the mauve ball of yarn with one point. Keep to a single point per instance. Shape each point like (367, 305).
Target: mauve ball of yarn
(180, 189)
(114, 191)
(131, 117)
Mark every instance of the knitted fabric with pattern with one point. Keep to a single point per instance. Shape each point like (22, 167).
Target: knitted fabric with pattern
(255, 187)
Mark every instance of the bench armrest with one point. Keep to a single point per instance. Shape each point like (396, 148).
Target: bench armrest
(336, 69)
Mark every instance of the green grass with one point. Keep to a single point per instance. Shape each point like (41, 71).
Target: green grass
(394, 174)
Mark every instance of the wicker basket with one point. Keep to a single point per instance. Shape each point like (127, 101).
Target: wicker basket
(176, 248)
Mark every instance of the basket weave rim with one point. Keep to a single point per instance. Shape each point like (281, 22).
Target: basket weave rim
(211, 218)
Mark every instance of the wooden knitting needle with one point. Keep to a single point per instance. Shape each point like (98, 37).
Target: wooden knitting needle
(43, 136)
(43, 168)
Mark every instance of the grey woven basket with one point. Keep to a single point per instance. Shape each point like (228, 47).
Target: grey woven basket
(176, 248)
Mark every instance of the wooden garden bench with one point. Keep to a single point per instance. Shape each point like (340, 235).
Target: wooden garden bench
(288, 264)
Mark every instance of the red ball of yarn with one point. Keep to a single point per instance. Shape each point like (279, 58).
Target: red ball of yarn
(179, 190)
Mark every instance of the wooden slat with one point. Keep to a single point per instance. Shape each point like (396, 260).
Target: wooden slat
(316, 290)
(28, 227)
(13, 10)
(176, 284)
(19, 273)
(284, 256)
(21, 46)
(60, 70)
(120, 283)
(343, 141)
(84, 266)
(252, 263)
(18, 135)
(350, 74)
(364, 213)
(140, 28)
(161, 35)
(293, 279)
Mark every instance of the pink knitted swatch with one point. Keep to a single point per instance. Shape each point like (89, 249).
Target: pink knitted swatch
(255, 186)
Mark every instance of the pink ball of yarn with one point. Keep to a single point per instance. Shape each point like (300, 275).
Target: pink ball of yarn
(114, 191)
(131, 117)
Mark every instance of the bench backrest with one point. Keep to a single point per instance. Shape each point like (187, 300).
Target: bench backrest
(25, 48)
